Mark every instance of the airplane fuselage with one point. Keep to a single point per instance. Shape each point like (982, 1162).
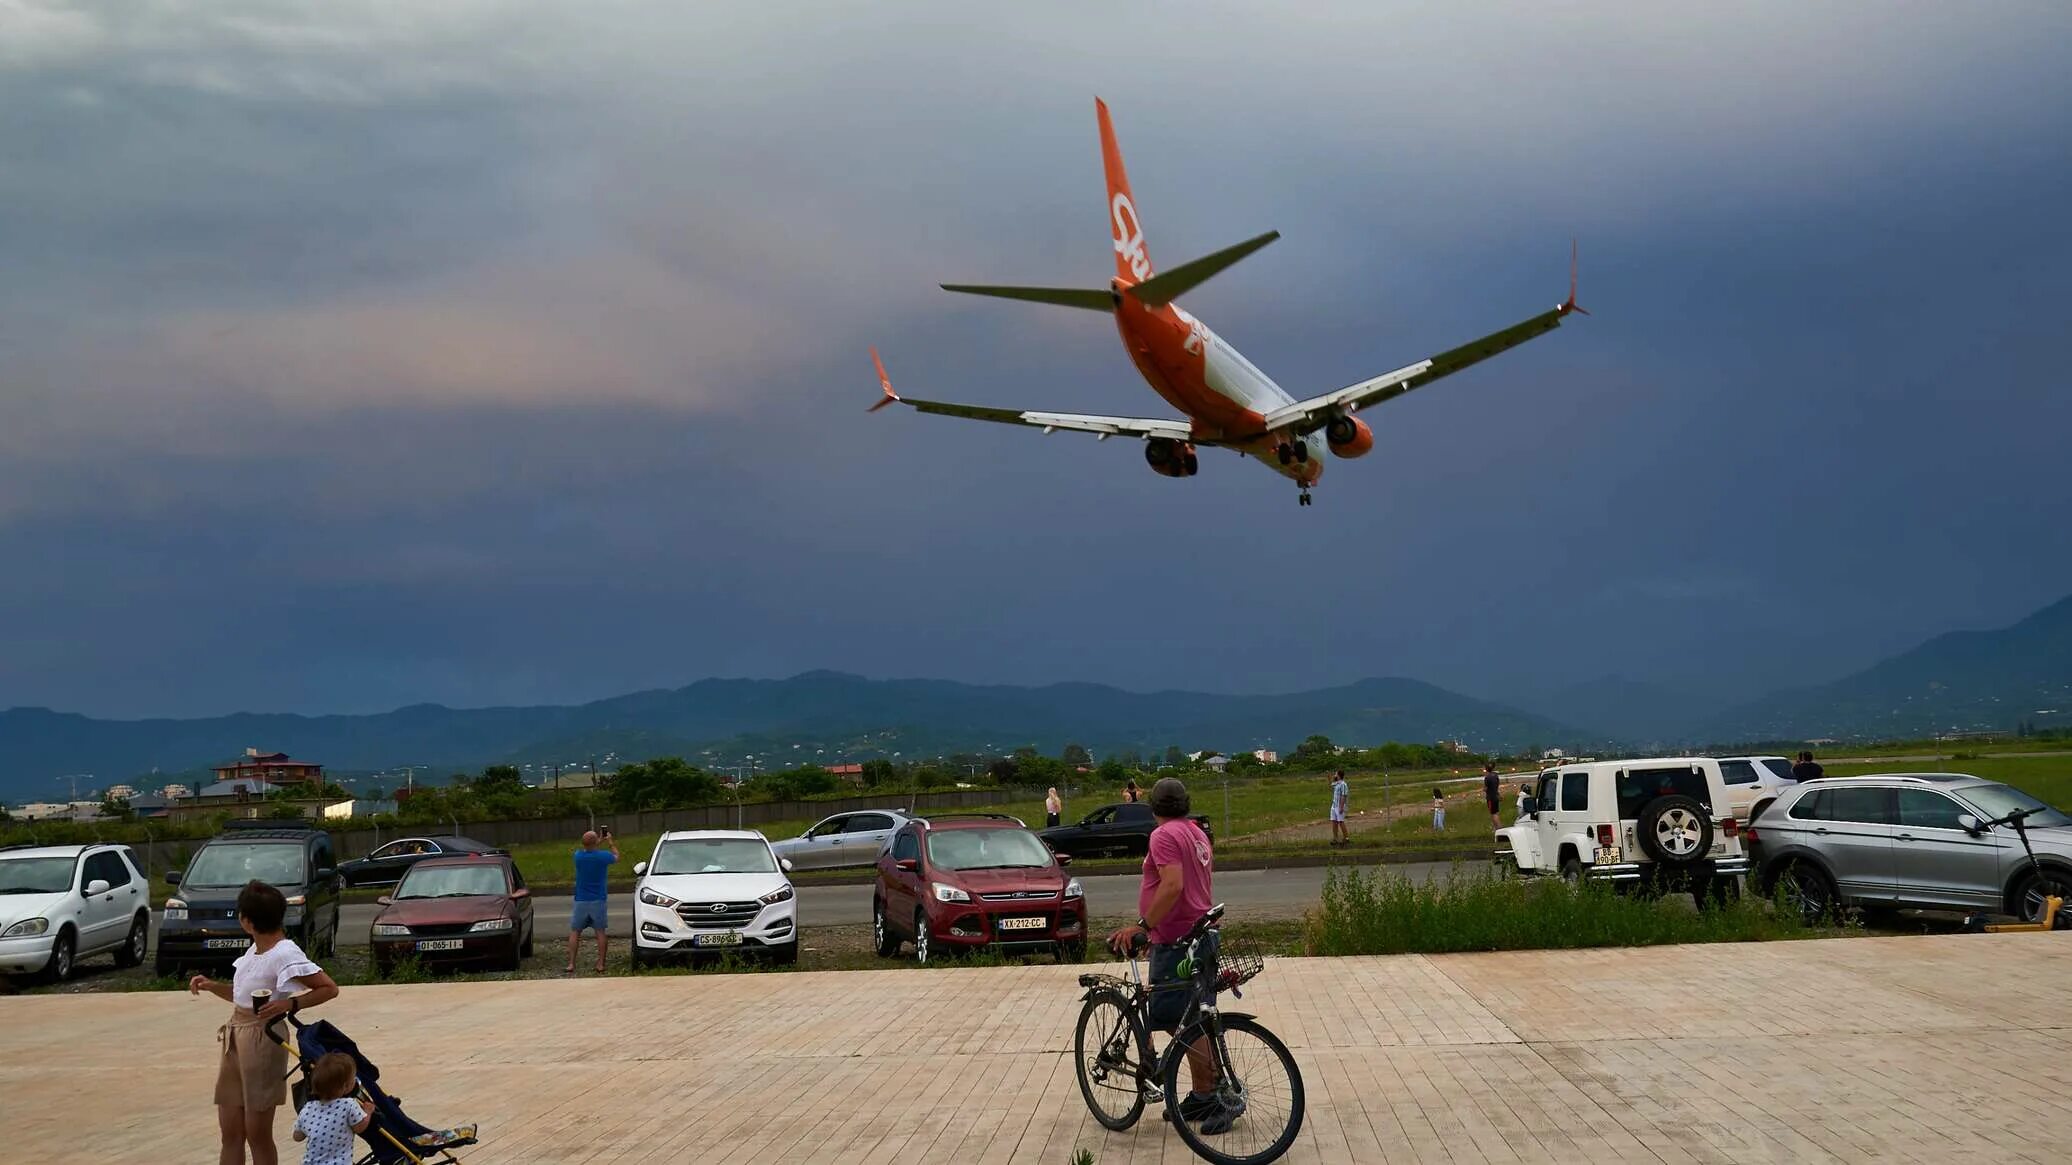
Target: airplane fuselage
(1224, 395)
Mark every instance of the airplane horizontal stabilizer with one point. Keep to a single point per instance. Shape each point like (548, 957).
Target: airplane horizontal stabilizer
(1167, 286)
(1094, 300)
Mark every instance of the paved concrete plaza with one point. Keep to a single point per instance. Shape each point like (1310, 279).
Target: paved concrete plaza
(1874, 1049)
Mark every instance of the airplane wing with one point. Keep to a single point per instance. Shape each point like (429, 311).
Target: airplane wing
(1307, 416)
(1104, 427)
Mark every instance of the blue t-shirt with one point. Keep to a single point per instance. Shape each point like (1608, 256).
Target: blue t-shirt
(590, 867)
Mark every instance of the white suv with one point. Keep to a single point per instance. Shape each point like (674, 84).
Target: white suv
(711, 892)
(60, 903)
(1660, 824)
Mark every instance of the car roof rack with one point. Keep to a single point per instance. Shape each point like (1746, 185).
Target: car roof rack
(933, 817)
(262, 827)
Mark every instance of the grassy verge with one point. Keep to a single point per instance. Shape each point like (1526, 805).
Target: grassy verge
(2048, 778)
(1376, 912)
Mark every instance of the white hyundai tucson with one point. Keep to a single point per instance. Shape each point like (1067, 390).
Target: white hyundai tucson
(713, 892)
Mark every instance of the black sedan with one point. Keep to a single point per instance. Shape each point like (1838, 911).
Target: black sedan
(388, 863)
(1112, 829)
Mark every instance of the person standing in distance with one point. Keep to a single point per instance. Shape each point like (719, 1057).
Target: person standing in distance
(1489, 794)
(589, 909)
(1340, 794)
(1807, 769)
(1053, 808)
(1172, 898)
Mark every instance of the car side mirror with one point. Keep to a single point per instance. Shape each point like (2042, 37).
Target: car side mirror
(326, 874)
(520, 894)
(1532, 806)
(1969, 824)
(639, 869)
(97, 886)
(786, 863)
(384, 900)
(172, 877)
(907, 864)
(1063, 859)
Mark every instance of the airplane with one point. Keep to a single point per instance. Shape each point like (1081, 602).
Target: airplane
(1228, 403)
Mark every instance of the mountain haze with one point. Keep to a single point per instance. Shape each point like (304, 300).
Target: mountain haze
(845, 715)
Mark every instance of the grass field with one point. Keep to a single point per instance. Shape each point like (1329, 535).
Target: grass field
(2048, 778)
(1257, 806)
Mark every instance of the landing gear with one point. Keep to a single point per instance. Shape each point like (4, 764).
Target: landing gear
(1304, 499)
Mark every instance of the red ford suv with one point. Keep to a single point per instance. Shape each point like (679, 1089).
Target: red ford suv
(973, 881)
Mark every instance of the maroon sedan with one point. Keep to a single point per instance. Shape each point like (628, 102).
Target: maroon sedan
(455, 911)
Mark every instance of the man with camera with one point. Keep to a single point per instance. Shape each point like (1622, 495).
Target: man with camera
(592, 865)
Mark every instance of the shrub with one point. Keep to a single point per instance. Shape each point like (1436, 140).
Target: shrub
(1376, 912)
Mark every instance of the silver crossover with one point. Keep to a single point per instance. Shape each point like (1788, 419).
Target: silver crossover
(1910, 840)
(846, 839)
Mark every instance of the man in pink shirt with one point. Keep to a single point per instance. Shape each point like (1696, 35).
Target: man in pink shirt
(1173, 897)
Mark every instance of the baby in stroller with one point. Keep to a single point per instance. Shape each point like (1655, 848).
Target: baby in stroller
(392, 1137)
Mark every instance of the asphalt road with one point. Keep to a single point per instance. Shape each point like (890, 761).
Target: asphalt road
(1248, 893)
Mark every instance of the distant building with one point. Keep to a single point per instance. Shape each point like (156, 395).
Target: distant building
(853, 774)
(1454, 746)
(1217, 763)
(274, 768)
(121, 792)
(151, 806)
(1266, 756)
(175, 792)
(246, 797)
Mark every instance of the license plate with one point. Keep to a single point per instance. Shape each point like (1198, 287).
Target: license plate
(226, 944)
(725, 938)
(1607, 855)
(438, 944)
(1024, 923)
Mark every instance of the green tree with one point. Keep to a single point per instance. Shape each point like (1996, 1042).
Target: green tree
(1174, 758)
(499, 779)
(116, 807)
(878, 772)
(663, 783)
(1075, 755)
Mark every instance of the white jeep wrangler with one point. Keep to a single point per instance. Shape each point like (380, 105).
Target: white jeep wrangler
(1657, 825)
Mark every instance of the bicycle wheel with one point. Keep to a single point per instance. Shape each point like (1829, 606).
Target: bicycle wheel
(1108, 1055)
(1257, 1084)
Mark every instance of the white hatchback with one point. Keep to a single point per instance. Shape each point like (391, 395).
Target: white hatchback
(714, 892)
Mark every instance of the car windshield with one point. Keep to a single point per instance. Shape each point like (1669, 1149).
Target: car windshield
(1999, 800)
(713, 855)
(277, 863)
(451, 881)
(35, 875)
(986, 849)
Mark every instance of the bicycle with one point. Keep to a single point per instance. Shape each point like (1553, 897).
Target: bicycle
(1258, 1086)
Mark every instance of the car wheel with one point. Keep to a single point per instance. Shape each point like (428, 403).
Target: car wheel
(383, 968)
(525, 948)
(881, 933)
(1572, 870)
(1815, 892)
(515, 959)
(787, 955)
(922, 941)
(1674, 830)
(1073, 952)
(63, 953)
(2029, 902)
(165, 968)
(131, 952)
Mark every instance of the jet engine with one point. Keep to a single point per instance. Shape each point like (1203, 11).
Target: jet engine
(1170, 458)
(1349, 437)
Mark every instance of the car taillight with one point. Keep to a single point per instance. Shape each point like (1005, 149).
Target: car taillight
(1604, 836)
(1730, 827)
(1749, 834)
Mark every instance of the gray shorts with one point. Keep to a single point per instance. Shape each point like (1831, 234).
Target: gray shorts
(1169, 1007)
(590, 914)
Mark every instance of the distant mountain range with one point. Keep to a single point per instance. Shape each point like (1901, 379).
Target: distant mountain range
(821, 716)
(1963, 681)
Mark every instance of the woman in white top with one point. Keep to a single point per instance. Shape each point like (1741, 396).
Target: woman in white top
(252, 1074)
(1053, 806)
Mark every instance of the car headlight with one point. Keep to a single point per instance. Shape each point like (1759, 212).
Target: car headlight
(390, 930)
(655, 898)
(949, 893)
(781, 894)
(26, 927)
(293, 918)
(492, 924)
(1074, 890)
(175, 911)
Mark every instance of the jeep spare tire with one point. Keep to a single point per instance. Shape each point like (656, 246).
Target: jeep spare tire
(1674, 830)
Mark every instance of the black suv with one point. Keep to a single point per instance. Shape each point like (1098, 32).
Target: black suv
(200, 927)
(1112, 829)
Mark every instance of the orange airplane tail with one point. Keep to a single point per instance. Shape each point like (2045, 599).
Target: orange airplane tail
(1132, 261)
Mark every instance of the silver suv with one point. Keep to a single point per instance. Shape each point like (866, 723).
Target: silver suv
(1909, 840)
(846, 839)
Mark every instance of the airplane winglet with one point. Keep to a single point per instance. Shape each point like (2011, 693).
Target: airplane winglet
(1569, 305)
(884, 382)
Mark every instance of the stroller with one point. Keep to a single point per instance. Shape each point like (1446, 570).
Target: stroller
(391, 1136)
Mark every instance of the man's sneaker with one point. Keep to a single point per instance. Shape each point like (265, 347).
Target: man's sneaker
(1196, 1107)
(1222, 1117)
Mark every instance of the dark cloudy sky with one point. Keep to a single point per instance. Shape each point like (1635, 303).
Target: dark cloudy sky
(353, 355)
